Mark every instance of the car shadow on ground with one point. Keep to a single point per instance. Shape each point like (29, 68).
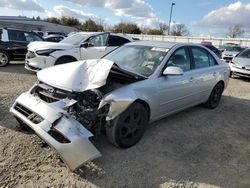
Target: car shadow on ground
(195, 147)
(16, 68)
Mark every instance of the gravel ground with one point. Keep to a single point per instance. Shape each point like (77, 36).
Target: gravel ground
(194, 148)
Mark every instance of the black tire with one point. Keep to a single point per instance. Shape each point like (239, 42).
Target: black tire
(215, 96)
(4, 58)
(128, 128)
(64, 60)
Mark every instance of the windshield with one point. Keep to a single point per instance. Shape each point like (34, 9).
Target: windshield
(142, 60)
(75, 39)
(232, 48)
(245, 54)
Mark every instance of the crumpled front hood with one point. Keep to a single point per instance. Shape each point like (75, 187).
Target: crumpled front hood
(242, 61)
(77, 76)
(40, 45)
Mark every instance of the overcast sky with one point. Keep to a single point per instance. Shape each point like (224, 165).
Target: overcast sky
(207, 17)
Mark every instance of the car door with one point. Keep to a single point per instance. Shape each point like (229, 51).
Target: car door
(96, 48)
(175, 92)
(17, 43)
(205, 71)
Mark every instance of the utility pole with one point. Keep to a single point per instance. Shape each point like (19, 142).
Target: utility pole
(171, 11)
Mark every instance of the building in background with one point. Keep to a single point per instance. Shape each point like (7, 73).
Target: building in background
(29, 24)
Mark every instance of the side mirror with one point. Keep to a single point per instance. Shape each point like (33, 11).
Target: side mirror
(84, 45)
(174, 71)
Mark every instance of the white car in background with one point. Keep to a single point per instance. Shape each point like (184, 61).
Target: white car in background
(240, 65)
(79, 46)
(229, 52)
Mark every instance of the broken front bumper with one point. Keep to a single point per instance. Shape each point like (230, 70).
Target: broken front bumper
(66, 135)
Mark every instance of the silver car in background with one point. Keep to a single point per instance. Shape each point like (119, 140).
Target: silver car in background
(240, 65)
(134, 85)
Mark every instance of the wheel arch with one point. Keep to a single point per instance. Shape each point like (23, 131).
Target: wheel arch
(65, 56)
(223, 84)
(146, 105)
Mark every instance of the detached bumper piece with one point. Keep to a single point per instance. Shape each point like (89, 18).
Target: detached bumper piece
(66, 135)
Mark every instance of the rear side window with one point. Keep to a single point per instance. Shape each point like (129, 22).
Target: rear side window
(201, 58)
(117, 41)
(15, 35)
(22, 36)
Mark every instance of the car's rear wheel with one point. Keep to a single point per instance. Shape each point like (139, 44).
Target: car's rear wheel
(64, 60)
(128, 128)
(4, 58)
(215, 96)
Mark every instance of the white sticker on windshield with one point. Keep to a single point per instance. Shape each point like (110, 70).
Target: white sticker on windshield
(159, 49)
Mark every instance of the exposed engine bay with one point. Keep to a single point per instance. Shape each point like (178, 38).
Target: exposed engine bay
(86, 108)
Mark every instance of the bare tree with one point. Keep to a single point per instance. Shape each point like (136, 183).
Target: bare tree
(163, 27)
(236, 31)
(180, 30)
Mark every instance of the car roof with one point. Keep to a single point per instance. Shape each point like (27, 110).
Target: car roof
(162, 44)
(89, 34)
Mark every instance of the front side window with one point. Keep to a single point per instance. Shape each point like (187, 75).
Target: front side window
(201, 58)
(99, 40)
(138, 59)
(180, 58)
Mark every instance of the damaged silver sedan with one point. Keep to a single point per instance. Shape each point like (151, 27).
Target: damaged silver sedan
(118, 95)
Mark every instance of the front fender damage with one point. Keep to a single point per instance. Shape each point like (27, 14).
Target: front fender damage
(116, 106)
(63, 133)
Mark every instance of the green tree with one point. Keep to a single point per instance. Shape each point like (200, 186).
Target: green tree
(91, 25)
(155, 32)
(129, 28)
(53, 20)
(69, 21)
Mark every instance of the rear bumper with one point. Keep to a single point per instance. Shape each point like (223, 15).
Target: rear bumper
(66, 135)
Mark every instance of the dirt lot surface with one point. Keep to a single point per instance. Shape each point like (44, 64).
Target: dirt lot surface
(194, 148)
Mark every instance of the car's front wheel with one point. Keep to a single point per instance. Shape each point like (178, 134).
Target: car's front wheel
(4, 58)
(128, 128)
(215, 96)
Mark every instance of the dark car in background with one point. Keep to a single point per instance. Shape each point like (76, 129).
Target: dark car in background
(53, 38)
(13, 44)
(212, 48)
